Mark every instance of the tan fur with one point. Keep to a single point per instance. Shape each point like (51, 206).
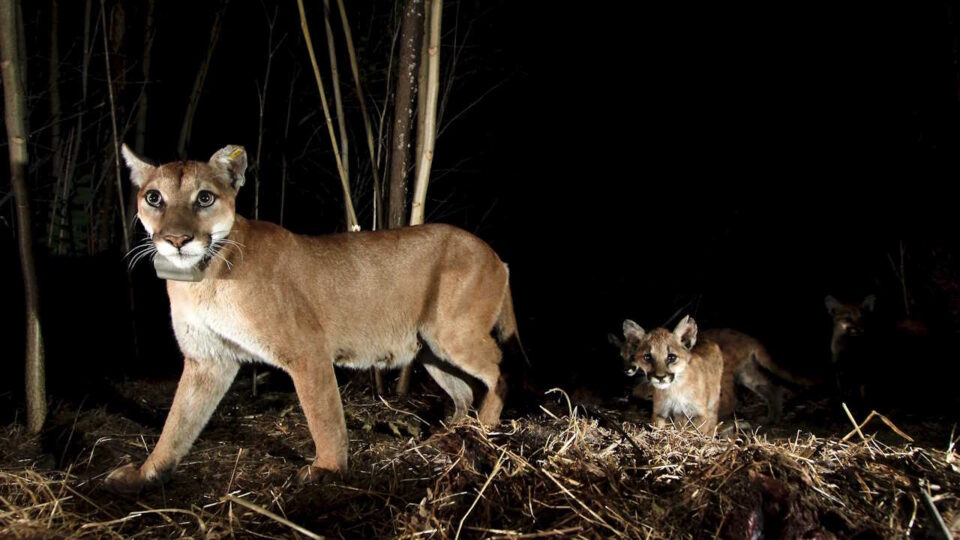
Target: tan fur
(685, 375)
(304, 304)
(745, 362)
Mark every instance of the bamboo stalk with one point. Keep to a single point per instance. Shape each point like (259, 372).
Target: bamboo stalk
(352, 223)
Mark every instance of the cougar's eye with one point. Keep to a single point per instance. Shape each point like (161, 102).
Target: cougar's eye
(648, 358)
(205, 198)
(671, 358)
(153, 198)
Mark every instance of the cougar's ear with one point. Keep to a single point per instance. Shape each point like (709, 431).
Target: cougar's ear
(139, 169)
(833, 305)
(686, 332)
(232, 161)
(869, 303)
(632, 330)
(614, 340)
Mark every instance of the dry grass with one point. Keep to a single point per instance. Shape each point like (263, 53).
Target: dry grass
(556, 474)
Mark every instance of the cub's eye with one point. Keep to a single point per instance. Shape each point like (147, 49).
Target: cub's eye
(648, 358)
(153, 198)
(671, 358)
(205, 198)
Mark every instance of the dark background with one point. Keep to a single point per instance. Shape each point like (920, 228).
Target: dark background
(735, 162)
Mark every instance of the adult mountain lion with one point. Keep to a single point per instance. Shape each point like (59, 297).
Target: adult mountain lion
(304, 304)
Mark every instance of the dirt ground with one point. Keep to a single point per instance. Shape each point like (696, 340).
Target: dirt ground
(564, 470)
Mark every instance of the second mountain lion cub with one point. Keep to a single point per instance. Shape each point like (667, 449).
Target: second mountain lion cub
(685, 375)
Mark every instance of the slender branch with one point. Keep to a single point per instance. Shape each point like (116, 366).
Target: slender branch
(337, 99)
(430, 117)
(352, 223)
(113, 122)
(187, 127)
(354, 70)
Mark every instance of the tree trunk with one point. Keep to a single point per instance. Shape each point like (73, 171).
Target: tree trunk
(14, 111)
(413, 46)
(410, 35)
(428, 135)
(187, 127)
(422, 96)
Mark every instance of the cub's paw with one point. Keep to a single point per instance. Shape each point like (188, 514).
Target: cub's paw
(125, 480)
(309, 474)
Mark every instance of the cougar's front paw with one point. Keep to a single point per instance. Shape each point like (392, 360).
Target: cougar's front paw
(309, 474)
(126, 480)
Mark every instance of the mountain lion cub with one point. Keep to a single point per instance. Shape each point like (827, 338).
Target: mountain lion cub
(304, 304)
(745, 362)
(685, 375)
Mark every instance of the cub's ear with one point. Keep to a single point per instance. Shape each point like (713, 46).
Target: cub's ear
(232, 160)
(139, 169)
(614, 340)
(833, 305)
(686, 332)
(869, 303)
(632, 330)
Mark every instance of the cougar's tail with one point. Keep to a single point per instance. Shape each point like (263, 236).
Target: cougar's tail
(507, 323)
(762, 359)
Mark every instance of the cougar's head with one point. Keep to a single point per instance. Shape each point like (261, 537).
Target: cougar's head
(660, 353)
(849, 318)
(188, 207)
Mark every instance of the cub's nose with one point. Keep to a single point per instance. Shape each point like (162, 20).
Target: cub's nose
(178, 241)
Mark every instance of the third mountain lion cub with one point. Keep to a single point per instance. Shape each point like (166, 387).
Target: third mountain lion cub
(685, 375)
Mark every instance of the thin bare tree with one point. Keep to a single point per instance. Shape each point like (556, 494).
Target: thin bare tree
(422, 96)
(187, 127)
(377, 196)
(113, 120)
(410, 34)
(354, 70)
(81, 108)
(53, 85)
(352, 223)
(428, 134)
(148, 36)
(337, 99)
(425, 159)
(11, 39)
(262, 102)
(286, 134)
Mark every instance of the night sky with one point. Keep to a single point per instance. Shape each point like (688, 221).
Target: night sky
(735, 162)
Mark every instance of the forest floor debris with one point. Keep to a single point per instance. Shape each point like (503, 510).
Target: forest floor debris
(565, 472)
